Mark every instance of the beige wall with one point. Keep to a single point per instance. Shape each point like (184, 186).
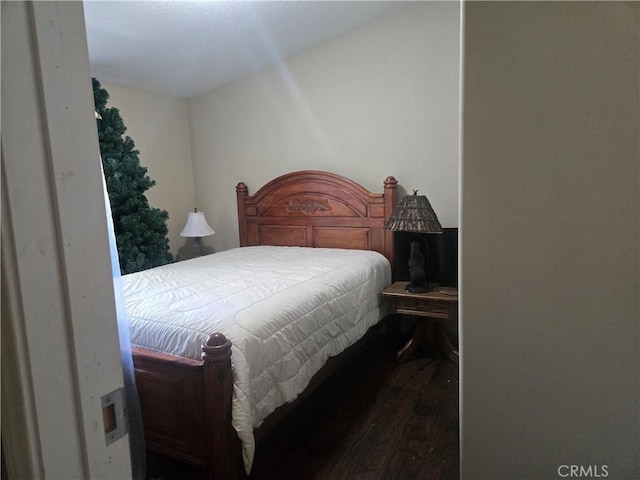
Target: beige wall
(158, 125)
(550, 240)
(379, 101)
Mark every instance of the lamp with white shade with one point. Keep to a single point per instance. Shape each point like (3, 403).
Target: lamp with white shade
(196, 228)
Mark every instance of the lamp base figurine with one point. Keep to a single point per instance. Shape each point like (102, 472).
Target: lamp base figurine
(417, 273)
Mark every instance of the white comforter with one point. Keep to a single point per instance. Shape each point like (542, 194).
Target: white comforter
(286, 310)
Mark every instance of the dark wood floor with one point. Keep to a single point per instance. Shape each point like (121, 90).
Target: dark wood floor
(377, 420)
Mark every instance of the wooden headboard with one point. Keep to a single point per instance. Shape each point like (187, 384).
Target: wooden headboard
(317, 209)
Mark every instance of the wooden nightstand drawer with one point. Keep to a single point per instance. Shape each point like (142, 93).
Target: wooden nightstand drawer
(422, 307)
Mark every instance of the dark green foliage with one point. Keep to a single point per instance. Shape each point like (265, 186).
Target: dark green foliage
(141, 230)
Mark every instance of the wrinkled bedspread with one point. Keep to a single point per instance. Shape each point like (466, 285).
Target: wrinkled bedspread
(286, 310)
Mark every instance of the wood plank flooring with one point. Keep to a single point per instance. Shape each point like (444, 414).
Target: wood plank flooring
(376, 420)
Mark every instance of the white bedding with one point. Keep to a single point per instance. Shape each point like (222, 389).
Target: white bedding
(286, 310)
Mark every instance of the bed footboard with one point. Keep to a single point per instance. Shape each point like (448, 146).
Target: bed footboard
(186, 406)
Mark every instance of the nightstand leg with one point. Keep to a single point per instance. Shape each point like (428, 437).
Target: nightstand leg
(450, 351)
(422, 334)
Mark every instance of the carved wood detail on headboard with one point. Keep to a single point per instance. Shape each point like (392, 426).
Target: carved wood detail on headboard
(317, 209)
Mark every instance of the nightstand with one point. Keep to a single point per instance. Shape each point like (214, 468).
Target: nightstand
(429, 309)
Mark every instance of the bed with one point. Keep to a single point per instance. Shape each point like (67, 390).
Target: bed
(193, 389)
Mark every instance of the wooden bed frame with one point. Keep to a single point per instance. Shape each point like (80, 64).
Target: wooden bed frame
(186, 403)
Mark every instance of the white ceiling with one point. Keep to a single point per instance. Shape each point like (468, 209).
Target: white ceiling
(184, 48)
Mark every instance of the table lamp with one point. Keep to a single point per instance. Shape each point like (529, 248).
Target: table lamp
(196, 228)
(414, 214)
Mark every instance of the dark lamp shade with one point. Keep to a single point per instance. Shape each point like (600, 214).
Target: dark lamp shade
(414, 214)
